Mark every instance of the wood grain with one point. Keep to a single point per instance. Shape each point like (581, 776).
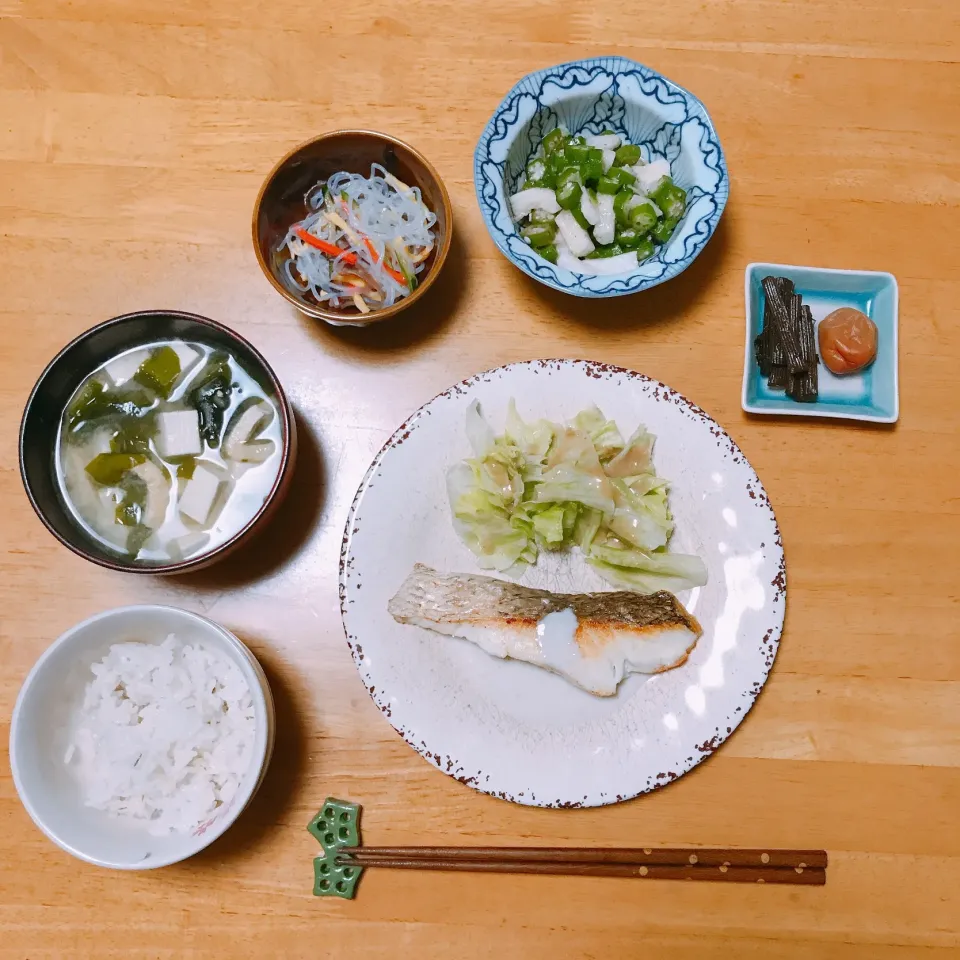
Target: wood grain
(133, 139)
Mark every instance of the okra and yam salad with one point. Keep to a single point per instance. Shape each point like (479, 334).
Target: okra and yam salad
(363, 244)
(591, 204)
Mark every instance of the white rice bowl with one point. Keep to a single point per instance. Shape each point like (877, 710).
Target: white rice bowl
(199, 716)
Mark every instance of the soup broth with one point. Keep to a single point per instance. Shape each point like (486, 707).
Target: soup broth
(168, 450)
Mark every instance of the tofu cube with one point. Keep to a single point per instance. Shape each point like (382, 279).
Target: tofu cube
(122, 368)
(178, 434)
(188, 544)
(200, 494)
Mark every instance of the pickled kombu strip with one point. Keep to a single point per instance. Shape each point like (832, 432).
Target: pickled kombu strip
(763, 343)
(810, 385)
(794, 304)
(768, 347)
(785, 331)
(778, 354)
(798, 368)
(762, 352)
(785, 349)
(803, 386)
(779, 378)
(811, 335)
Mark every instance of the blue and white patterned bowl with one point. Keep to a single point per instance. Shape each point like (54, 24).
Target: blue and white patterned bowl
(593, 95)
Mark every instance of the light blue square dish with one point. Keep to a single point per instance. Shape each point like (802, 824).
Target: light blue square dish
(872, 394)
(645, 108)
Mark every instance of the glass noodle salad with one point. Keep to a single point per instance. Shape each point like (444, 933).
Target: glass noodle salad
(592, 204)
(363, 242)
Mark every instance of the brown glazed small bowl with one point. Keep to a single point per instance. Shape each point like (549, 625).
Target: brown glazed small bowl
(55, 387)
(282, 202)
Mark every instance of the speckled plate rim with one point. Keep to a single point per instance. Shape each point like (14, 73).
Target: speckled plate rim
(767, 642)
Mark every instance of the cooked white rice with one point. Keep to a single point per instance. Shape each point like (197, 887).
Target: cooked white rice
(165, 734)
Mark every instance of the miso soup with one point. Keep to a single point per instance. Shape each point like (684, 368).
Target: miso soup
(168, 450)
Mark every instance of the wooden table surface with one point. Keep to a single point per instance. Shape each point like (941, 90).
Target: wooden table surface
(133, 138)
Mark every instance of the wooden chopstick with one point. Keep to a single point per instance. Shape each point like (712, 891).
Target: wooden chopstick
(814, 876)
(636, 856)
(806, 867)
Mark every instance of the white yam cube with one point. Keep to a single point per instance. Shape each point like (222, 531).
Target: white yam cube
(605, 141)
(178, 434)
(610, 266)
(121, 369)
(650, 174)
(588, 207)
(574, 236)
(535, 198)
(200, 494)
(605, 230)
(567, 261)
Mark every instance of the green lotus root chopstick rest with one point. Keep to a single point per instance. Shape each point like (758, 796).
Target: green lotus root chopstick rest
(336, 825)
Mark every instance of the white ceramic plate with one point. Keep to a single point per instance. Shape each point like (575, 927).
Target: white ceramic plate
(511, 729)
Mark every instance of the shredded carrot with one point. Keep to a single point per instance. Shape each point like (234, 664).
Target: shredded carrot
(343, 225)
(328, 248)
(396, 274)
(352, 280)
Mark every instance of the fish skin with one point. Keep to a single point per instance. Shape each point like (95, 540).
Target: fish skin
(488, 598)
(499, 609)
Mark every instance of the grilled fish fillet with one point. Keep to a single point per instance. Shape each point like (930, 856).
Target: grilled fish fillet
(591, 639)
